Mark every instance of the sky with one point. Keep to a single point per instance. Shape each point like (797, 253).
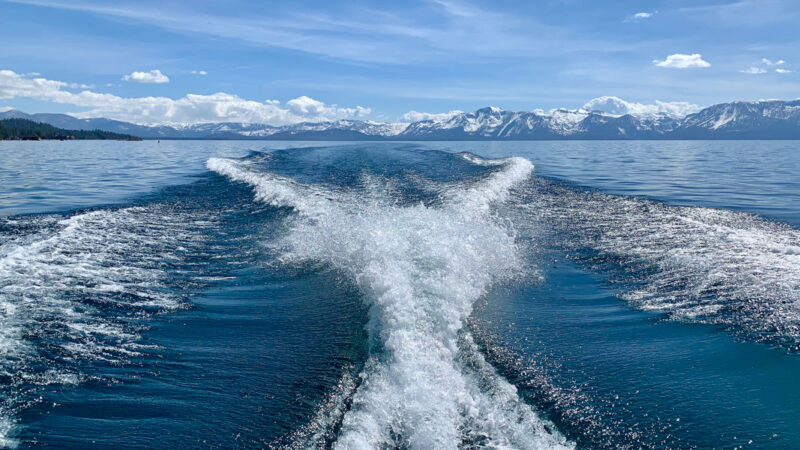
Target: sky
(183, 62)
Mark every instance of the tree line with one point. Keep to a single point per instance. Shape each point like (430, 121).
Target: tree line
(23, 129)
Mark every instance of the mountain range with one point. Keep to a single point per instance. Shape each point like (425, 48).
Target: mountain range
(772, 119)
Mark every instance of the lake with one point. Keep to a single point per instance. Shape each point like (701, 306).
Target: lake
(521, 294)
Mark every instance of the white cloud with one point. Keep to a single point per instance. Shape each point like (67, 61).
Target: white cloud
(416, 116)
(305, 106)
(761, 67)
(617, 106)
(199, 72)
(190, 109)
(682, 61)
(153, 76)
(5, 108)
(640, 16)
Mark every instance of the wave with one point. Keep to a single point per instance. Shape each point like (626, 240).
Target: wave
(696, 264)
(73, 290)
(420, 268)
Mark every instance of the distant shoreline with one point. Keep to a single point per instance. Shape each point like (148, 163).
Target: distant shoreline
(33, 139)
(28, 130)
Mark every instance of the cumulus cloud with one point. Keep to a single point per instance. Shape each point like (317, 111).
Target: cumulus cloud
(753, 70)
(199, 72)
(153, 76)
(783, 71)
(305, 106)
(416, 116)
(682, 61)
(190, 109)
(642, 15)
(773, 63)
(617, 106)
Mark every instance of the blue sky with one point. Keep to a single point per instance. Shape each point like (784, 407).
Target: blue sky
(282, 62)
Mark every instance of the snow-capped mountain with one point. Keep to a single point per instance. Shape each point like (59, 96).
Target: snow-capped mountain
(602, 118)
(772, 119)
(494, 123)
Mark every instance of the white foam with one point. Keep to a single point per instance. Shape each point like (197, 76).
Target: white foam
(7, 425)
(698, 264)
(273, 189)
(63, 283)
(420, 269)
(479, 197)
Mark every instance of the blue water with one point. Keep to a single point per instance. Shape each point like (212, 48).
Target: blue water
(243, 294)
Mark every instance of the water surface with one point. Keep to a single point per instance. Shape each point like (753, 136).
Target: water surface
(611, 294)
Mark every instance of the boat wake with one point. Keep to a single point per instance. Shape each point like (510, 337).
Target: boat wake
(420, 268)
(75, 291)
(694, 264)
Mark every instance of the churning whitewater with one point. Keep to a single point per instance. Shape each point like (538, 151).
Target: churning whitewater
(420, 268)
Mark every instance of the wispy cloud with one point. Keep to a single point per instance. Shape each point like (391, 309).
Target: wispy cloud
(199, 72)
(433, 31)
(747, 13)
(753, 70)
(768, 62)
(153, 76)
(683, 61)
(192, 108)
(783, 70)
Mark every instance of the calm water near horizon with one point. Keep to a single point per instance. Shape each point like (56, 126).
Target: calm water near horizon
(755, 176)
(250, 293)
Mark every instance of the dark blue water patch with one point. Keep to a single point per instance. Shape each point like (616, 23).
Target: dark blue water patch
(246, 366)
(611, 377)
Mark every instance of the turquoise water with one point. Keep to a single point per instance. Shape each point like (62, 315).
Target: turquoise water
(196, 293)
